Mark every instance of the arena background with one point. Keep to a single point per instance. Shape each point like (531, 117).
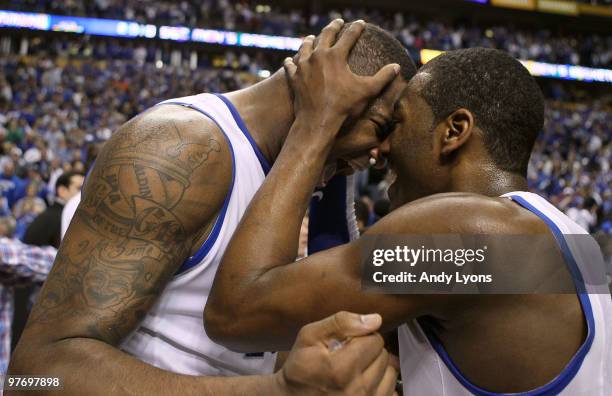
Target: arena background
(72, 71)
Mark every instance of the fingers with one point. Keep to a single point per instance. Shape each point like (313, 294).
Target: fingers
(339, 326)
(394, 361)
(386, 387)
(381, 79)
(290, 68)
(329, 33)
(394, 90)
(359, 354)
(305, 49)
(375, 372)
(349, 37)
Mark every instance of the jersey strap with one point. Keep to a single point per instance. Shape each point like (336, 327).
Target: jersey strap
(214, 234)
(557, 385)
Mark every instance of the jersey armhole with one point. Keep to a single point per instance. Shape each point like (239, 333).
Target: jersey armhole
(568, 373)
(197, 258)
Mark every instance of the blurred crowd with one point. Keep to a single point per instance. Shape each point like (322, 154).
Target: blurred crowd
(534, 44)
(54, 112)
(571, 163)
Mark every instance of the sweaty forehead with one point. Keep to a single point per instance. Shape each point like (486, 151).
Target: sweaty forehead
(384, 105)
(419, 82)
(412, 102)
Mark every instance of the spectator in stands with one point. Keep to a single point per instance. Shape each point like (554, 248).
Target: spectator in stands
(381, 208)
(571, 161)
(362, 214)
(28, 208)
(585, 215)
(46, 228)
(20, 265)
(43, 230)
(12, 186)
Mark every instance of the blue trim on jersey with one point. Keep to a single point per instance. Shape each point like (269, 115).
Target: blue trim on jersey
(569, 372)
(214, 234)
(87, 176)
(265, 166)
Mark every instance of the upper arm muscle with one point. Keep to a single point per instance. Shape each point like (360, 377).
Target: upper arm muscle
(286, 297)
(159, 180)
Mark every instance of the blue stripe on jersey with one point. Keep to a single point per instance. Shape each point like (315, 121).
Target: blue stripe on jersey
(569, 372)
(87, 176)
(214, 234)
(265, 166)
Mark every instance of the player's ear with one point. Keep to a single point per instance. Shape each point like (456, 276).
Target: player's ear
(459, 126)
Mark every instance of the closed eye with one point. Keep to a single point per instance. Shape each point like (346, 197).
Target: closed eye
(383, 130)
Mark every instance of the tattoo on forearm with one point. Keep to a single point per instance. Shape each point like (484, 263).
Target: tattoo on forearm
(133, 240)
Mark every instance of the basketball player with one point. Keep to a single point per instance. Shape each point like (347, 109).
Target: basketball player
(159, 207)
(466, 125)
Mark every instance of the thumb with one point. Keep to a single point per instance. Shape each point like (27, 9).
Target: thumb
(381, 79)
(289, 66)
(290, 70)
(340, 326)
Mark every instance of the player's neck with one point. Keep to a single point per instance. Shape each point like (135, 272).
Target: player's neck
(267, 110)
(489, 180)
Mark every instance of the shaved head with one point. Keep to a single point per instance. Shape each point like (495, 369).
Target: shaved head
(376, 48)
(507, 103)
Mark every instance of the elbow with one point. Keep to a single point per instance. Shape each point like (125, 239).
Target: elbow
(18, 365)
(238, 319)
(45, 357)
(26, 360)
(222, 325)
(235, 326)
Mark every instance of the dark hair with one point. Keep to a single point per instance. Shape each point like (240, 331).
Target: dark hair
(505, 100)
(64, 179)
(589, 203)
(376, 48)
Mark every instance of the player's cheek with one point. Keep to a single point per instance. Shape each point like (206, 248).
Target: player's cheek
(359, 143)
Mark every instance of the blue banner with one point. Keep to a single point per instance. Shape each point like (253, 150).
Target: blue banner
(130, 29)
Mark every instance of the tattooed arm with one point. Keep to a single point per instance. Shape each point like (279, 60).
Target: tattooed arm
(154, 192)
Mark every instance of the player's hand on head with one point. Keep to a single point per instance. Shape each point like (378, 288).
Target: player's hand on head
(339, 355)
(323, 85)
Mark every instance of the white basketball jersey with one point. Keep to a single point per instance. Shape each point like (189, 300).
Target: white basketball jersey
(172, 335)
(428, 370)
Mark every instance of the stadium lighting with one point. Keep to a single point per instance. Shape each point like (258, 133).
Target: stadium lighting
(551, 70)
(130, 29)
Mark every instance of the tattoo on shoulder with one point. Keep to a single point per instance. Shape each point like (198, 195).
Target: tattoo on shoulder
(132, 237)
